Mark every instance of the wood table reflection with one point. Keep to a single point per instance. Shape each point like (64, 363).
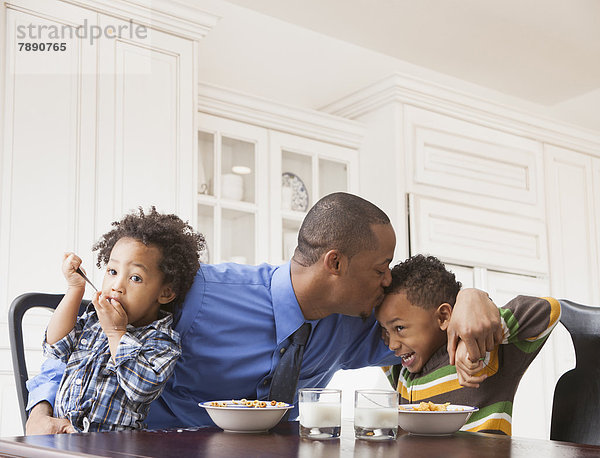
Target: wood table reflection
(282, 441)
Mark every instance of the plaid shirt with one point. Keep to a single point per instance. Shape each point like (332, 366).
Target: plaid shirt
(113, 395)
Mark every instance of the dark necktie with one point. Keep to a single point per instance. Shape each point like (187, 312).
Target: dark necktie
(285, 377)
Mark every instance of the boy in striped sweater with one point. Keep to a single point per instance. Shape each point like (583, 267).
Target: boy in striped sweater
(414, 316)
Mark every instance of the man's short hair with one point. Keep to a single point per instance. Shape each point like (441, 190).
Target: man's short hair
(426, 282)
(339, 221)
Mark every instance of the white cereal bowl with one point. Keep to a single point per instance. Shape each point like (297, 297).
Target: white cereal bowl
(232, 416)
(433, 423)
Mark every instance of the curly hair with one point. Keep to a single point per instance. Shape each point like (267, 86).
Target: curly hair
(426, 282)
(178, 242)
(342, 221)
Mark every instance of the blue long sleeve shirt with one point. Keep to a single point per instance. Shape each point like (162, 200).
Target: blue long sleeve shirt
(234, 323)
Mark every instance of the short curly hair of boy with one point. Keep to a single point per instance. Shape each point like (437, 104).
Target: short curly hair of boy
(179, 244)
(426, 282)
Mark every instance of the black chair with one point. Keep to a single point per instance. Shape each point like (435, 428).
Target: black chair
(576, 406)
(15, 321)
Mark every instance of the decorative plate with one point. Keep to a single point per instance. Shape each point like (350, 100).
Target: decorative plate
(299, 193)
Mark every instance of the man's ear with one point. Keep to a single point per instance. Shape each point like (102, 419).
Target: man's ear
(166, 294)
(335, 262)
(444, 312)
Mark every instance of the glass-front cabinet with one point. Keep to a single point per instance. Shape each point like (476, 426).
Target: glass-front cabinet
(255, 185)
(231, 186)
(304, 170)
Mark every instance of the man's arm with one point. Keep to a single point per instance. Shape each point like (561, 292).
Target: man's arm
(42, 391)
(476, 321)
(526, 323)
(41, 421)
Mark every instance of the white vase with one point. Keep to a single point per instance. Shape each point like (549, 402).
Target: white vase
(232, 186)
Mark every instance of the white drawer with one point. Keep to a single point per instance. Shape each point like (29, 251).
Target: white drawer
(467, 235)
(472, 163)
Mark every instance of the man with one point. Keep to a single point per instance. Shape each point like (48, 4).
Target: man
(236, 321)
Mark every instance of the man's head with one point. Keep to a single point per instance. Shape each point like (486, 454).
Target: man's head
(342, 221)
(351, 243)
(417, 308)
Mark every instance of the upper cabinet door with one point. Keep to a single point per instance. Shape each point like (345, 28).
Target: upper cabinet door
(473, 164)
(302, 172)
(232, 190)
(47, 158)
(146, 132)
(572, 227)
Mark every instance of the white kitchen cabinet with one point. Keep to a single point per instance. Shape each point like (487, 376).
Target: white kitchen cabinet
(461, 233)
(472, 164)
(48, 151)
(476, 193)
(46, 159)
(146, 131)
(302, 172)
(231, 182)
(260, 167)
(89, 132)
(573, 224)
(573, 208)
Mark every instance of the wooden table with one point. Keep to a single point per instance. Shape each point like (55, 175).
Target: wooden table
(283, 440)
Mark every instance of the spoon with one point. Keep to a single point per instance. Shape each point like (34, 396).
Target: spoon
(80, 272)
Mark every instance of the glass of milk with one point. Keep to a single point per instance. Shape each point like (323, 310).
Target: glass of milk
(375, 414)
(320, 413)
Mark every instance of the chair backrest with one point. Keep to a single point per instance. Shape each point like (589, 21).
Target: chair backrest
(576, 406)
(15, 326)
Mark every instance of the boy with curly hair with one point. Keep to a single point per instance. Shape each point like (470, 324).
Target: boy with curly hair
(415, 315)
(120, 352)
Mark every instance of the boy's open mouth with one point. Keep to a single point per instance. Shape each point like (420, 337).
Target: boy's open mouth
(408, 358)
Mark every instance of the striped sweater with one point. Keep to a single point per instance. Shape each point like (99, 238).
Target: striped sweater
(527, 322)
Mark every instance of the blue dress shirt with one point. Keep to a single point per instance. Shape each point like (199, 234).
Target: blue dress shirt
(233, 324)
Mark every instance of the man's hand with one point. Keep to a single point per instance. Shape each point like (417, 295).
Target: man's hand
(41, 421)
(476, 321)
(467, 369)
